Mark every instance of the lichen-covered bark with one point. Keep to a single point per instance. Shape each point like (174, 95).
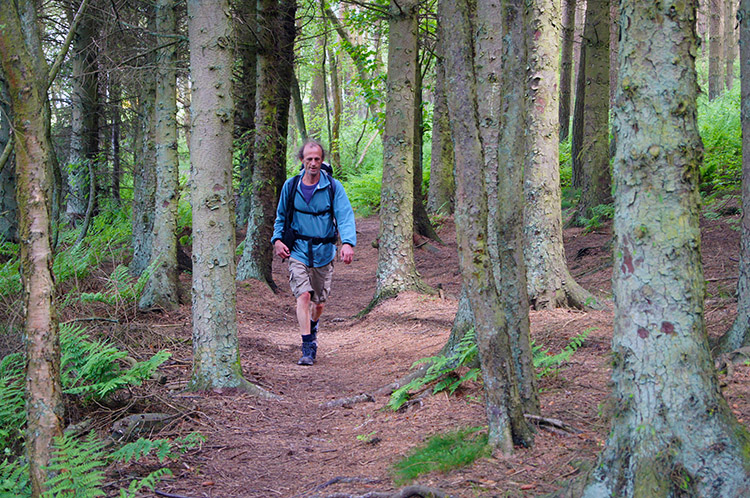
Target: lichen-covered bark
(161, 289)
(672, 433)
(275, 72)
(503, 403)
(24, 66)
(396, 268)
(566, 65)
(8, 206)
(144, 179)
(594, 148)
(83, 117)
(549, 282)
(216, 361)
(440, 197)
(715, 80)
(739, 334)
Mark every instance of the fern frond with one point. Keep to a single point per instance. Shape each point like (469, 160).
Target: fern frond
(77, 465)
(14, 479)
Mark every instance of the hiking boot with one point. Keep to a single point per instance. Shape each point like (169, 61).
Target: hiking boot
(309, 350)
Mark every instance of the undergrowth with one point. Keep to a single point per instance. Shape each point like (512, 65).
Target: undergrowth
(443, 453)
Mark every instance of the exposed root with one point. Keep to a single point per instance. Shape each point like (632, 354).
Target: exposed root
(553, 425)
(415, 491)
(348, 402)
(727, 361)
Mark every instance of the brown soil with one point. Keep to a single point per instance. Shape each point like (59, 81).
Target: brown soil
(294, 447)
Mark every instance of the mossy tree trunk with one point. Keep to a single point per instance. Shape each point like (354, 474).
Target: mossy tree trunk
(490, 307)
(549, 281)
(26, 71)
(273, 95)
(739, 335)
(595, 179)
(245, 89)
(441, 194)
(397, 271)
(84, 133)
(672, 433)
(161, 290)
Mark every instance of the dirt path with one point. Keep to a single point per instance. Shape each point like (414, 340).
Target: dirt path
(293, 447)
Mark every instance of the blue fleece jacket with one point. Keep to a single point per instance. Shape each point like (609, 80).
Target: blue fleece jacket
(320, 225)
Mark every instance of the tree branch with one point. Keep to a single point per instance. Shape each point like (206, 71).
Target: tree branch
(66, 45)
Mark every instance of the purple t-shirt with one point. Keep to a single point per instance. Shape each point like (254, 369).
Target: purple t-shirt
(307, 190)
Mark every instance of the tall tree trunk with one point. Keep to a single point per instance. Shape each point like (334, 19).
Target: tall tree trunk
(25, 69)
(730, 41)
(673, 433)
(8, 205)
(115, 96)
(503, 403)
(714, 49)
(739, 335)
(441, 195)
(144, 177)
(576, 138)
(549, 281)
(335, 144)
(161, 289)
(595, 179)
(245, 89)
(275, 71)
(317, 115)
(299, 110)
(566, 65)
(216, 359)
(397, 271)
(422, 224)
(84, 133)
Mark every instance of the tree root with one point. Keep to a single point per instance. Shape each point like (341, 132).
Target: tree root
(415, 491)
(553, 425)
(348, 402)
(727, 361)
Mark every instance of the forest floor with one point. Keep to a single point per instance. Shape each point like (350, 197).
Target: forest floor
(298, 447)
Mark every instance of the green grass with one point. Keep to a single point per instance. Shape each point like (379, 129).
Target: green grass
(443, 453)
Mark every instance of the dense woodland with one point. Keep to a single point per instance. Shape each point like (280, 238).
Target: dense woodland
(151, 138)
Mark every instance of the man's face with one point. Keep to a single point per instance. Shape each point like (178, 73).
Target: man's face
(312, 158)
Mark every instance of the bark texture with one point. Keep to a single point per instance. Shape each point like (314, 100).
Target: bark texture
(595, 179)
(161, 290)
(8, 206)
(672, 433)
(504, 407)
(216, 360)
(25, 68)
(730, 41)
(396, 268)
(549, 281)
(739, 335)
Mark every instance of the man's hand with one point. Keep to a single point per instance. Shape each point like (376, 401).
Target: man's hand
(281, 249)
(346, 254)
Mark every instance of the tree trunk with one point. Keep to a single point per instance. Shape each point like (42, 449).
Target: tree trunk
(317, 115)
(440, 197)
(115, 96)
(216, 360)
(144, 177)
(299, 113)
(275, 71)
(396, 268)
(576, 139)
(595, 178)
(566, 65)
(245, 89)
(549, 282)
(335, 144)
(8, 205)
(714, 49)
(161, 289)
(83, 117)
(673, 433)
(739, 335)
(503, 403)
(25, 69)
(730, 41)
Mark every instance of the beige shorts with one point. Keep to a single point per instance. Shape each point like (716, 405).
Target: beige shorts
(316, 281)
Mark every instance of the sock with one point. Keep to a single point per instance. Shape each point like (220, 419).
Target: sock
(308, 338)
(313, 326)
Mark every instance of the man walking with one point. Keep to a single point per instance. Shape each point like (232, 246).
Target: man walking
(318, 206)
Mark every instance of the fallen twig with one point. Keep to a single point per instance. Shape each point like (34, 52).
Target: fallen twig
(414, 491)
